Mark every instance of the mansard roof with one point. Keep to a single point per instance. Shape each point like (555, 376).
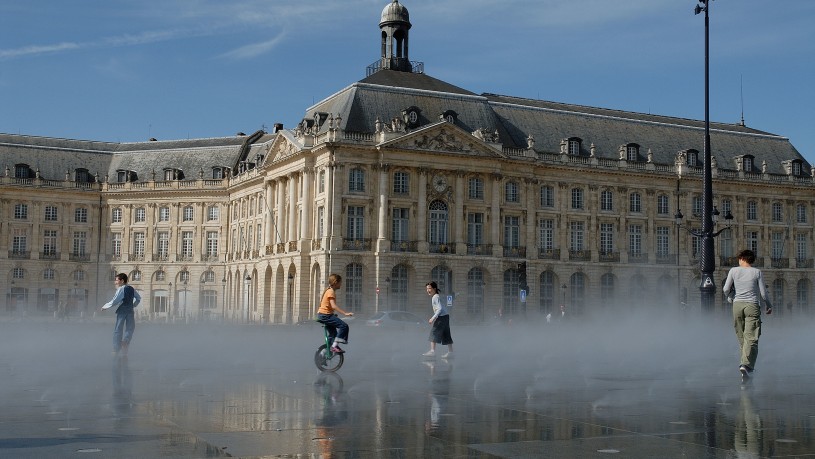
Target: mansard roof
(53, 157)
(384, 95)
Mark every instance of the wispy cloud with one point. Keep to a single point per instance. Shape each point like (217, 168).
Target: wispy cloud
(254, 49)
(37, 49)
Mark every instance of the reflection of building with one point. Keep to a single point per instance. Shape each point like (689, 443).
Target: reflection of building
(405, 178)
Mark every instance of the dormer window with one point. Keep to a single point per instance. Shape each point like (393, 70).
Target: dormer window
(450, 116)
(747, 163)
(797, 170)
(217, 173)
(693, 158)
(632, 152)
(410, 116)
(125, 176)
(82, 176)
(574, 146)
(173, 174)
(22, 171)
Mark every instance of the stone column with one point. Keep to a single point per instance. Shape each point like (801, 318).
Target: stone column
(268, 214)
(382, 230)
(459, 221)
(308, 209)
(292, 228)
(421, 219)
(531, 219)
(495, 216)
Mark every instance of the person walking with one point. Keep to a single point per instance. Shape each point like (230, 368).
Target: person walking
(748, 283)
(337, 328)
(125, 299)
(440, 331)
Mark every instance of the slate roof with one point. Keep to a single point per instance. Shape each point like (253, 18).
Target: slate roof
(386, 93)
(54, 156)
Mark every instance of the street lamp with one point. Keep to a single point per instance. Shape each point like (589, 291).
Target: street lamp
(223, 297)
(184, 307)
(563, 301)
(247, 283)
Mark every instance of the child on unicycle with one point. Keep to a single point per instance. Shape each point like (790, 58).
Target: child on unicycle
(337, 328)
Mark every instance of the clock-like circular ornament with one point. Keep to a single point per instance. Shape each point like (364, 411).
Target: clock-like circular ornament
(439, 183)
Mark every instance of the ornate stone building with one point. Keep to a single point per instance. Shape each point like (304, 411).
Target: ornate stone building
(395, 180)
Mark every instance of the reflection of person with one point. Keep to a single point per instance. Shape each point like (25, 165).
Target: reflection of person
(440, 331)
(334, 414)
(337, 328)
(126, 298)
(749, 285)
(122, 387)
(747, 438)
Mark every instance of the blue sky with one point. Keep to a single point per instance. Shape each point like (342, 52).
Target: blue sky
(128, 70)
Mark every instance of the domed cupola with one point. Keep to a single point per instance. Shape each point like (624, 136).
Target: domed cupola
(395, 24)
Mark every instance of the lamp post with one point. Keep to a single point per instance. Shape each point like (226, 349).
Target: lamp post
(678, 217)
(247, 283)
(223, 297)
(184, 306)
(563, 301)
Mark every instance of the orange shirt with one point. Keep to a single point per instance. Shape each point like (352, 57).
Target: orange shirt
(325, 302)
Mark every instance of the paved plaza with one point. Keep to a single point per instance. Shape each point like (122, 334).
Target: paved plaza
(638, 387)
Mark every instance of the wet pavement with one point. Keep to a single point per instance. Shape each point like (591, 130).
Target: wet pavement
(661, 389)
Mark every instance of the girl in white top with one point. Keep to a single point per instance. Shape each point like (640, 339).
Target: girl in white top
(440, 331)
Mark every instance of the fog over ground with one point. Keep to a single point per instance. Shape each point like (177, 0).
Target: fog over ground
(604, 349)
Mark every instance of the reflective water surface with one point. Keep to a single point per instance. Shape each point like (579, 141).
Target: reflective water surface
(635, 387)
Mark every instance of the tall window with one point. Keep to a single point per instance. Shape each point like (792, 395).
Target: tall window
(475, 228)
(356, 222)
(577, 290)
(398, 295)
(547, 196)
(209, 299)
(81, 215)
(606, 200)
(802, 294)
(352, 284)
(320, 222)
(796, 169)
(356, 180)
(777, 211)
(116, 245)
(574, 147)
(138, 244)
(401, 223)
(475, 188)
(607, 288)
(186, 244)
(259, 237)
(635, 239)
(19, 241)
(726, 243)
(188, 213)
(401, 185)
(632, 152)
(438, 223)
(577, 198)
(49, 242)
(443, 277)
(321, 182)
(777, 244)
(475, 292)
(606, 238)
(662, 205)
(727, 206)
(801, 213)
(213, 213)
(547, 292)
(141, 215)
(546, 234)
(697, 206)
(576, 236)
(662, 241)
(511, 192)
(21, 211)
(752, 211)
(163, 244)
(748, 164)
(212, 243)
(116, 215)
(752, 241)
(164, 214)
(634, 202)
(512, 231)
(50, 213)
(80, 242)
(801, 249)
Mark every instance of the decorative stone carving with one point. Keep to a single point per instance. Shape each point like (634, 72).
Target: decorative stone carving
(442, 141)
(530, 142)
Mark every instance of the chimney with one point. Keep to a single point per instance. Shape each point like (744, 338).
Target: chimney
(278, 127)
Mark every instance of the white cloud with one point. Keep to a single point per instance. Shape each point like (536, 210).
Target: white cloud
(254, 49)
(32, 50)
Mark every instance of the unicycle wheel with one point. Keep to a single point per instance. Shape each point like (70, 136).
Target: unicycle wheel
(327, 360)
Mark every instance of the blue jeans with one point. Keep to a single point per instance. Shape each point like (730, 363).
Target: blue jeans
(335, 326)
(123, 330)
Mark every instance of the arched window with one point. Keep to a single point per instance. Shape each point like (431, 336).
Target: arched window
(638, 287)
(398, 296)
(802, 295)
(442, 276)
(160, 276)
(778, 294)
(512, 289)
(475, 293)
(352, 284)
(607, 292)
(437, 230)
(577, 293)
(547, 292)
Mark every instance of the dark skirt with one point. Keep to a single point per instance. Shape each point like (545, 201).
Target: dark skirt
(440, 333)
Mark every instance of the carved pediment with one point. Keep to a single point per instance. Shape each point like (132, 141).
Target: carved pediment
(283, 146)
(443, 137)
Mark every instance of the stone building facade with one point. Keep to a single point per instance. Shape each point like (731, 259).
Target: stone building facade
(393, 181)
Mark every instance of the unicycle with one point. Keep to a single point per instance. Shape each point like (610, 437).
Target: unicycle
(324, 358)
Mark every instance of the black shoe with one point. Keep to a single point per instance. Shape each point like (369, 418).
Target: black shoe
(745, 371)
